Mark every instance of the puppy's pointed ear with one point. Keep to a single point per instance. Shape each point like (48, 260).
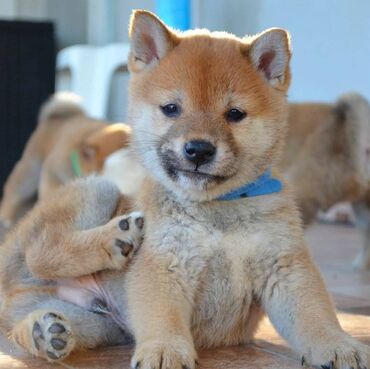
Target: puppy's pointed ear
(270, 54)
(150, 40)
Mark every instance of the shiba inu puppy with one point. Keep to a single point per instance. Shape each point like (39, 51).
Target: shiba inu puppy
(66, 144)
(209, 117)
(223, 241)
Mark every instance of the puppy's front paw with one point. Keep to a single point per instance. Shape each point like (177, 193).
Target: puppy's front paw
(341, 352)
(125, 237)
(174, 353)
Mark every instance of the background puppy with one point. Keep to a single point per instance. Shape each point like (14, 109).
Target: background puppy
(66, 144)
(327, 159)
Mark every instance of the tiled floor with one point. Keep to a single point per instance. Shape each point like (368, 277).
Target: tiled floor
(333, 248)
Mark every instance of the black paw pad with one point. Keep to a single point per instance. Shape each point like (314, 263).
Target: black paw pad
(37, 335)
(56, 328)
(124, 224)
(58, 344)
(139, 222)
(125, 247)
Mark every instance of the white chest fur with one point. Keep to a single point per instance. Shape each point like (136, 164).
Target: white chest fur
(222, 250)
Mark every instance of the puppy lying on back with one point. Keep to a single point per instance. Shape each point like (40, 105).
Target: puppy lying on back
(50, 263)
(66, 144)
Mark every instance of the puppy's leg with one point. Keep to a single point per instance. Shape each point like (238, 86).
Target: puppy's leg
(20, 187)
(56, 328)
(72, 234)
(299, 306)
(48, 182)
(362, 260)
(77, 253)
(163, 338)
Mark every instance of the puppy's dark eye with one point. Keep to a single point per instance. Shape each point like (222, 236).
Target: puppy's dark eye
(170, 110)
(235, 115)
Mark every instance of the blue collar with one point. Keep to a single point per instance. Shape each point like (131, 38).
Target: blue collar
(263, 185)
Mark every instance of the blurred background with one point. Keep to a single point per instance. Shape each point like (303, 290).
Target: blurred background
(331, 38)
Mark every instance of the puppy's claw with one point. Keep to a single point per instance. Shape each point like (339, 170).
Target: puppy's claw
(303, 361)
(330, 366)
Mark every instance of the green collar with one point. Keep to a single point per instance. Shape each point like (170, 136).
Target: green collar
(75, 164)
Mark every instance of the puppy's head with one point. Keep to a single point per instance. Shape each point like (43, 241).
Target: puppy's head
(209, 109)
(98, 145)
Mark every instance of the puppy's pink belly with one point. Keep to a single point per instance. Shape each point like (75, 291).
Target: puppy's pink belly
(90, 294)
(80, 291)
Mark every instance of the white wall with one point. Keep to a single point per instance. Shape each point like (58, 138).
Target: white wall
(331, 45)
(330, 38)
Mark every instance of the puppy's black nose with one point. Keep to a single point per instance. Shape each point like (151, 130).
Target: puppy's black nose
(199, 151)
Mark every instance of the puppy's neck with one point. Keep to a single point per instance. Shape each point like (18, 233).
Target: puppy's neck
(154, 199)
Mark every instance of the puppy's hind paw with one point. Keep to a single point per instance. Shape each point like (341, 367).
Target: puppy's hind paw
(126, 235)
(45, 334)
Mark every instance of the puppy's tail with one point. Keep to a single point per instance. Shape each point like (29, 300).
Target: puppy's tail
(353, 114)
(61, 106)
(352, 108)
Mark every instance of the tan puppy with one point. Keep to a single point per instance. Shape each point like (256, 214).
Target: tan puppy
(208, 267)
(327, 159)
(65, 144)
(46, 260)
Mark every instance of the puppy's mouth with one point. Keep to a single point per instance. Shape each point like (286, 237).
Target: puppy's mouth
(176, 170)
(196, 174)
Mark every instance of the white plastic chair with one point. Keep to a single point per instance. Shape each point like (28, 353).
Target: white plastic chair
(92, 69)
